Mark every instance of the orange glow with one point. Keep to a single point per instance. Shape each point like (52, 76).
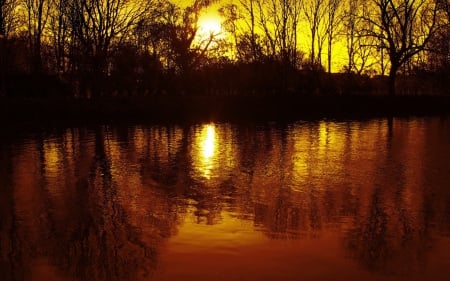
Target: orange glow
(52, 158)
(210, 24)
(208, 149)
(212, 152)
(209, 31)
(355, 188)
(208, 143)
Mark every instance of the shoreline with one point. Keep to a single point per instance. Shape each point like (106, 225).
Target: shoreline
(220, 109)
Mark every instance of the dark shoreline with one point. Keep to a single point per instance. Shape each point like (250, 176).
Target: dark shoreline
(221, 109)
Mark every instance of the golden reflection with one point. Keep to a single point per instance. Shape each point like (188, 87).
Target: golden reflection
(317, 151)
(139, 140)
(52, 157)
(364, 197)
(208, 142)
(208, 145)
(301, 153)
(213, 153)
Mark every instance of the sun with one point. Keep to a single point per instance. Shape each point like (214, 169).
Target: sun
(211, 38)
(210, 25)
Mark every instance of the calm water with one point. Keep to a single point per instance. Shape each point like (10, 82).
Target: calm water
(304, 201)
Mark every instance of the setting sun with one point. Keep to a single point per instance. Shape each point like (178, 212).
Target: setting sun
(210, 24)
(209, 30)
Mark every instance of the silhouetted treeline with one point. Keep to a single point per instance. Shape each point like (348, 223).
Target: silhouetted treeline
(122, 48)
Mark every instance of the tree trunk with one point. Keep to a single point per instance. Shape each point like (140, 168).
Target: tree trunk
(2, 65)
(329, 52)
(37, 58)
(2, 20)
(313, 55)
(391, 80)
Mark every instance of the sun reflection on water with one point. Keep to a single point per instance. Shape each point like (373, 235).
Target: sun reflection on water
(213, 153)
(208, 136)
(207, 147)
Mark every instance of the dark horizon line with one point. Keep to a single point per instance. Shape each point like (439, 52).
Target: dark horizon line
(186, 109)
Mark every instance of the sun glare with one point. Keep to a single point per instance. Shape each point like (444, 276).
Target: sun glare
(209, 141)
(208, 148)
(210, 24)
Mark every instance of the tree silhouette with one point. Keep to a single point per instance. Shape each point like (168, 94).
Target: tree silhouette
(37, 13)
(85, 44)
(249, 40)
(2, 17)
(59, 26)
(8, 18)
(98, 24)
(333, 21)
(403, 28)
(179, 28)
(439, 49)
(285, 15)
(230, 14)
(360, 48)
(314, 11)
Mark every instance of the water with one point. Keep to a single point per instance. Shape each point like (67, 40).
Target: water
(321, 200)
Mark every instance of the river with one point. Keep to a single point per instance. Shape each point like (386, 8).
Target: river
(312, 200)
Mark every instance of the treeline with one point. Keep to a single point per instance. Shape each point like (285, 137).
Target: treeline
(91, 48)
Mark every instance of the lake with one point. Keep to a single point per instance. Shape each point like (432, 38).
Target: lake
(315, 200)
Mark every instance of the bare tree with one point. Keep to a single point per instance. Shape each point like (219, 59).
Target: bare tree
(350, 27)
(59, 26)
(249, 8)
(230, 14)
(9, 19)
(8, 24)
(314, 12)
(2, 17)
(403, 28)
(180, 28)
(332, 26)
(98, 24)
(266, 25)
(37, 13)
(360, 48)
(270, 29)
(438, 55)
(285, 15)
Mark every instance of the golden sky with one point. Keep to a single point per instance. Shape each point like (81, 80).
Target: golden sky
(210, 21)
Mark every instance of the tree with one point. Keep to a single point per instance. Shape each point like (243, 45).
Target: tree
(37, 13)
(285, 15)
(97, 25)
(231, 15)
(438, 55)
(2, 19)
(8, 24)
(314, 11)
(360, 48)
(333, 20)
(8, 17)
(250, 37)
(269, 31)
(403, 28)
(180, 28)
(60, 30)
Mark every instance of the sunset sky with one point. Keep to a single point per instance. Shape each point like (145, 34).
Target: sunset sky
(211, 21)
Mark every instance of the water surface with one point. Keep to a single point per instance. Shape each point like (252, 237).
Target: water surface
(366, 200)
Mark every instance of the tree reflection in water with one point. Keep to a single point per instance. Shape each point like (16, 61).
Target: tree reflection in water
(74, 224)
(101, 204)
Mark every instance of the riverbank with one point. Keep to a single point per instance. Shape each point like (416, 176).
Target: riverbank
(208, 108)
